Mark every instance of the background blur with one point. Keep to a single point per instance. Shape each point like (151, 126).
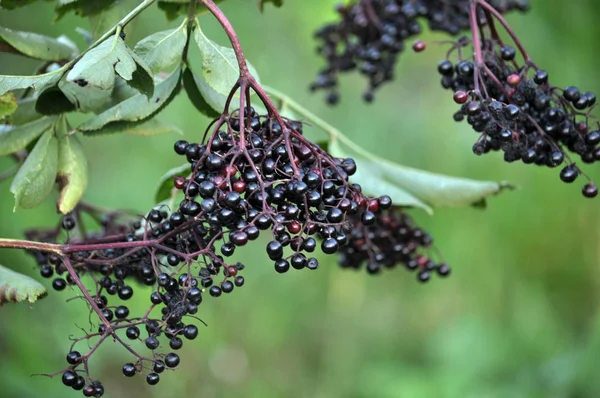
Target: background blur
(519, 317)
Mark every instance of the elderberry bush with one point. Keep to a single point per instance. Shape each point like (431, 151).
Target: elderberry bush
(371, 35)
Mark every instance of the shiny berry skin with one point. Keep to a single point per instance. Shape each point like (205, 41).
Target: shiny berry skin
(172, 360)
(215, 291)
(180, 147)
(74, 357)
(330, 246)
(129, 369)
(569, 173)
(152, 379)
(590, 190)
(159, 367)
(282, 266)
(132, 332)
(460, 97)
(69, 378)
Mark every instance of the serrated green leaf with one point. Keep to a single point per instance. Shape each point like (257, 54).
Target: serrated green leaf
(16, 287)
(134, 110)
(412, 187)
(8, 104)
(37, 82)
(38, 46)
(90, 82)
(276, 3)
(72, 173)
(82, 8)
(193, 92)
(14, 138)
(154, 127)
(165, 184)
(162, 50)
(220, 71)
(52, 101)
(35, 179)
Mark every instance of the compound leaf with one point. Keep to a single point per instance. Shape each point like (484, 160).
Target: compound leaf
(38, 46)
(16, 287)
(135, 109)
(412, 187)
(162, 50)
(165, 184)
(35, 179)
(14, 138)
(72, 173)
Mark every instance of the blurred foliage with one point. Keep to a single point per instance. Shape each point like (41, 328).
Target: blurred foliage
(519, 317)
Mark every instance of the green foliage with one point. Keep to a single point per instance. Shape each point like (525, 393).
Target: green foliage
(192, 84)
(90, 82)
(136, 109)
(38, 46)
(175, 8)
(83, 8)
(35, 179)
(14, 138)
(220, 71)
(72, 175)
(411, 187)
(15, 287)
(164, 49)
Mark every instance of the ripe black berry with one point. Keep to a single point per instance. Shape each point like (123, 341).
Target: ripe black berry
(152, 379)
(569, 173)
(69, 378)
(73, 357)
(215, 291)
(172, 360)
(129, 369)
(132, 332)
(590, 190)
(190, 332)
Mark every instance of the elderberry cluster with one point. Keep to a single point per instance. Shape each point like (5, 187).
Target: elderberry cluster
(516, 110)
(253, 173)
(271, 178)
(371, 34)
(391, 240)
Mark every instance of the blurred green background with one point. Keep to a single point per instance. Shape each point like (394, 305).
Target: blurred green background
(519, 317)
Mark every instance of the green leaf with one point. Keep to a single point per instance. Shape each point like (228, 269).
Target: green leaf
(82, 8)
(412, 187)
(38, 46)
(105, 19)
(8, 104)
(190, 83)
(37, 82)
(35, 179)
(134, 110)
(16, 138)
(165, 184)
(276, 3)
(72, 173)
(153, 127)
(91, 80)
(220, 71)
(15, 287)
(162, 50)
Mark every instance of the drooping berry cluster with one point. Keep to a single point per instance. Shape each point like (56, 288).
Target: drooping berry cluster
(391, 240)
(372, 33)
(251, 174)
(272, 179)
(515, 109)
